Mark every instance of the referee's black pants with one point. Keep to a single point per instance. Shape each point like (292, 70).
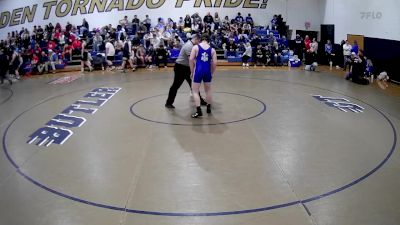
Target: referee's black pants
(182, 73)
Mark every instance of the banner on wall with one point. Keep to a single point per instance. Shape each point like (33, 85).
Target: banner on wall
(71, 8)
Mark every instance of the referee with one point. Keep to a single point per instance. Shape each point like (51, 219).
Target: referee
(182, 71)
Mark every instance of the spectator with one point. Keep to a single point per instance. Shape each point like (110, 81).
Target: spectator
(39, 33)
(217, 21)
(34, 62)
(274, 22)
(160, 25)
(247, 55)
(76, 47)
(188, 21)
(97, 42)
(15, 63)
(43, 64)
(149, 57)
(141, 55)
(276, 51)
(126, 55)
(347, 55)
(314, 45)
(53, 60)
(147, 22)
(307, 43)
(249, 20)
(110, 54)
(142, 30)
(161, 56)
(284, 42)
(155, 39)
(196, 18)
(124, 21)
(181, 24)
(239, 18)
(357, 74)
(208, 19)
(135, 24)
(355, 47)
(51, 45)
(226, 23)
(231, 49)
(84, 28)
(259, 56)
(310, 59)
(85, 58)
(67, 52)
(328, 52)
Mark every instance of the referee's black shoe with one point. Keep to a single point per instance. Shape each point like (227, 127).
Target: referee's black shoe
(169, 106)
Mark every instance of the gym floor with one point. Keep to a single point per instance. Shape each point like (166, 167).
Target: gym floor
(282, 146)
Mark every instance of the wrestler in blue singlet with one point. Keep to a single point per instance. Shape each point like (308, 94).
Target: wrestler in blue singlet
(203, 66)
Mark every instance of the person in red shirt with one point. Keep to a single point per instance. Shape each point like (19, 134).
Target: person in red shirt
(34, 62)
(37, 49)
(51, 45)
(57, 34)
(76, 47)
(67, 53)
(307, 43)
(58, 26)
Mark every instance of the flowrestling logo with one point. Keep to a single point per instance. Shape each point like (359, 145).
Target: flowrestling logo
(58, 130)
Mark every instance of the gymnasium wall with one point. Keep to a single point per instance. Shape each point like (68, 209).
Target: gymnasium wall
(41, 12)
(371, 18)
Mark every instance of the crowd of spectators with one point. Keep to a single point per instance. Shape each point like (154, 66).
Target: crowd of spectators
(143, 43)
(139, 42)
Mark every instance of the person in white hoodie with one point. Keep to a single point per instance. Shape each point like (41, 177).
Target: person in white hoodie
(347, 54)
(247, 55)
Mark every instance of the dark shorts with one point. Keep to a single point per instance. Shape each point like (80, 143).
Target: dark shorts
(85, 57)
(110, 58)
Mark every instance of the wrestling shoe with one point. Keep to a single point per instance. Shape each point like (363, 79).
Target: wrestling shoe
(198, 114)
(209, 109)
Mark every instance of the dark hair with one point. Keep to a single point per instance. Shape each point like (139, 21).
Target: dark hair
(205, 37)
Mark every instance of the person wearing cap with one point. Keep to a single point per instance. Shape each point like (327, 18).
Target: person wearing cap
(182, 71)
(4, 63)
